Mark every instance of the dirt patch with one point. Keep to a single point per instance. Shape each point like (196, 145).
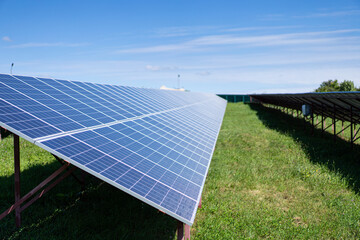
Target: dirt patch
(298, 221)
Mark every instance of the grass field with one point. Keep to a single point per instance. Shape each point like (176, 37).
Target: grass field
(268, 179)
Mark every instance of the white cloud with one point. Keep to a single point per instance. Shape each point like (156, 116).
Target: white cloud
(307, 38)
(203, 73)
(160, 68)
(180, 31)
(154, 49)
(6, 39)
(152, 68)
(244, 29)
(44, 44)
(296, 78)
(331, 14)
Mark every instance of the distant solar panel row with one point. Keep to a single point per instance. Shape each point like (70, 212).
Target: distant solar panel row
(154, 144)
(344, 106)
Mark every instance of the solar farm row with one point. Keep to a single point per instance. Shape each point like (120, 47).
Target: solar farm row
(153, 144)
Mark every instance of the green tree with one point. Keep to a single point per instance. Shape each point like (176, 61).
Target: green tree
(329, 86)
(347, 85)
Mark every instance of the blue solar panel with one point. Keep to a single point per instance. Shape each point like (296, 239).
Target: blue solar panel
(153, 144)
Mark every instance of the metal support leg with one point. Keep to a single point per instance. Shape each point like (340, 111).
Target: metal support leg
(183, 231)
(334, 124)
(180, 230)
(322, 122)
(187, 232)
(312, 124)
(351, 128)
(17, 178)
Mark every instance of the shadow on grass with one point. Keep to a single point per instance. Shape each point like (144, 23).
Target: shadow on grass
(321, 148)
(101, 211)
(4, 133)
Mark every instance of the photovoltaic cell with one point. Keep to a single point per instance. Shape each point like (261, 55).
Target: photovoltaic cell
(153, 144)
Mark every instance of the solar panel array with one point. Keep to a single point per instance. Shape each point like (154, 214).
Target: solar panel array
(344, 106)
(153, 144)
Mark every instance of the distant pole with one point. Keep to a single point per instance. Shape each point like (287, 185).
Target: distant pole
(11, 68)
(178, 81)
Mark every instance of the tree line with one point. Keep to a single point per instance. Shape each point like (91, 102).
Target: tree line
(335, 86)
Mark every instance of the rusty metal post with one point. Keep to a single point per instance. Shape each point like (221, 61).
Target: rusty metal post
(187, 232)
(17, 178)
(36, 189)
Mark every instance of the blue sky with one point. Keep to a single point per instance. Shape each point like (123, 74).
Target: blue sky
(215, 46)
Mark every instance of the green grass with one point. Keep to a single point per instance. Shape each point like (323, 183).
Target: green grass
(268, 179)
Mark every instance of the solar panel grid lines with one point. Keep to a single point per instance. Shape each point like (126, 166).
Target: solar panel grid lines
(138, 196)
(168, 140)
(110, 113)
(155, 145)
(123, 147)
(35, 110)
(186, 128)
(56, 99)
(84, 108)
(116, 98)
(166, 123)
(26, 132)
(81, 101)
(150, 95)
(110, 167)
(105, 98)
(109, 154)
(11, 93)
(222, 113)
(198, 124)
(140, 99)
(102, 125)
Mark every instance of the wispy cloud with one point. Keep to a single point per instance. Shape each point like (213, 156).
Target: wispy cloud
(6, 39)
(180, 31)
(204, 73)
(271, 17)
(240, 41)
(44, 44)
(160, 68)
(331, 14)
(245, 29)
(154, 49)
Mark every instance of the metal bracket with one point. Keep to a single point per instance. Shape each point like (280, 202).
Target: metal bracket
(17, 206)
